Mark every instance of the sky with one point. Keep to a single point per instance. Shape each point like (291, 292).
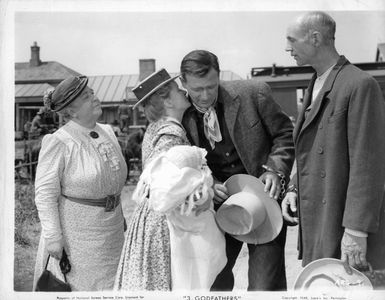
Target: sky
(111, 43)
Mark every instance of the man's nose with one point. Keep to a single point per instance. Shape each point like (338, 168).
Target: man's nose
(288, 48)
(205, 95)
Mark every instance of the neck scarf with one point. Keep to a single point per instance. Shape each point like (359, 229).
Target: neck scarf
(211, 124)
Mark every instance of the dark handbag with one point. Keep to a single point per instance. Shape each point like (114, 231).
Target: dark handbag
(49, 283)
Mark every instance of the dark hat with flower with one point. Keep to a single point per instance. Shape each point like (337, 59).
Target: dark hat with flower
(151, 84)
(65, 93)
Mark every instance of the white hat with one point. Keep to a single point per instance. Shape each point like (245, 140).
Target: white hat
(330, 274)
(249, 214)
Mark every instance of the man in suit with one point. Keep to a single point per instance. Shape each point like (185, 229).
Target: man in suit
(244, 132)
(340, 151)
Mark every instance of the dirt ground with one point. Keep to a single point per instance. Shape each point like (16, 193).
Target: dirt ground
(293, 265)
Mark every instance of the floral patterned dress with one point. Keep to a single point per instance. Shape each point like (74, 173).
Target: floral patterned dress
(145, 261)
(73, 164)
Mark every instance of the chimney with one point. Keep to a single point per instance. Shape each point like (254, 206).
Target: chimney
(273, 74)
(146, 67)
(35, 55)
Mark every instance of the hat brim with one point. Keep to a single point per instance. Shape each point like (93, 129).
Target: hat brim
(273, 222)
(321, 273)
(154, 90)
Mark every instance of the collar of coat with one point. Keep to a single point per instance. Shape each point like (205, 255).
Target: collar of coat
(303, 123)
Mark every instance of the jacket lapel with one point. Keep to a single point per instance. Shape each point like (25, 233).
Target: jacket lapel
(306, 103)
(319, 101)
(230, 106)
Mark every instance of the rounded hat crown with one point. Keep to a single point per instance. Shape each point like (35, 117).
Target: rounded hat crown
(249, 214)
(151, 84)
(67, 91)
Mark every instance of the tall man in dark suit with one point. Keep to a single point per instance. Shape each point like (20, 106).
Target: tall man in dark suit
(244, 132)
(340, 150)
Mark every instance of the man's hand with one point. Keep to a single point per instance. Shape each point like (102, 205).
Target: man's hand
(55, 248)
(353, 252)
(289, 208)
(272, 184)
(220, 192)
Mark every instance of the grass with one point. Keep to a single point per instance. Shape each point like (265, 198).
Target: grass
(27, 233)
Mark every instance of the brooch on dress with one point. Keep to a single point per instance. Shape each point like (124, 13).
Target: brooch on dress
(94, 134)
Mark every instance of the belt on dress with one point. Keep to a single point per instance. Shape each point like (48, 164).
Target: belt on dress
(109, 203)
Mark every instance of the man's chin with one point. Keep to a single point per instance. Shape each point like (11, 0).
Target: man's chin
(205, 104)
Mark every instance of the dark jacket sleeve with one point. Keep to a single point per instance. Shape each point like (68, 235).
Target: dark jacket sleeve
(280, 129)
(366, 124)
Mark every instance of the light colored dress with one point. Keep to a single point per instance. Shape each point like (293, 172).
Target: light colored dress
(145, 262)
(175, 183)
(72, 163)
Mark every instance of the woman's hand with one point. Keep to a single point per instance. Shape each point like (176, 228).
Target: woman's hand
(203, 207)
(55, 248)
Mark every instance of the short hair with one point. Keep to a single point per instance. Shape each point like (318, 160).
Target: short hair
(198, 63)
(319, 21)
(154, 105)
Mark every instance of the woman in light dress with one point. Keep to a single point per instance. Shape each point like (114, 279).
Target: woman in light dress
(172, 241)
(80, 175)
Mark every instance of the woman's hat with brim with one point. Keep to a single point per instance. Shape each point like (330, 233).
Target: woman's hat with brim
(249, 214)
(66, 92)
(329, 274)
(151, 84)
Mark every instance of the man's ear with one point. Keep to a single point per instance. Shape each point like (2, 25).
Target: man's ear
(316, 38)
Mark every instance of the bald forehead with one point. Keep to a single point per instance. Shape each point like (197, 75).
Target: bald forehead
(295, 30)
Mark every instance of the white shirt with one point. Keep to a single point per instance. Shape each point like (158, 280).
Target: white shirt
(319, 82)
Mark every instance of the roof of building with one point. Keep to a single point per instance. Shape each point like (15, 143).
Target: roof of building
(49, 71)
(108, 88)
(32, 89)
(115, 88)
(278, 75)
(112, 88)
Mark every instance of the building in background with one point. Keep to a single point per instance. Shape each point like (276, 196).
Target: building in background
(289, 83)
(33, 78)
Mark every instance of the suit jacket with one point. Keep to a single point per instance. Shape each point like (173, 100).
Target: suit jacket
(340, 152)
(260, 131)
